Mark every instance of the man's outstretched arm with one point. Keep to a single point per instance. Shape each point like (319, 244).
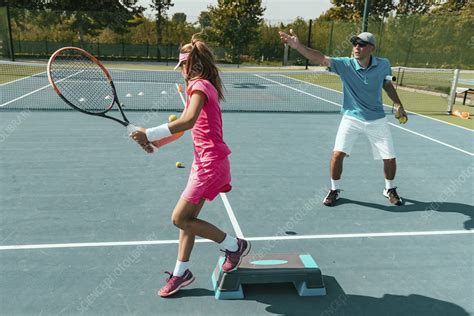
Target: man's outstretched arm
(314, 56)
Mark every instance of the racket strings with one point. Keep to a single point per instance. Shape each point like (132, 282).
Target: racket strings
(82, 82)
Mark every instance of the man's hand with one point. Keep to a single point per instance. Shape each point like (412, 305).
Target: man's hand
(291, 39)
(139, 136)
(401, 110)
(400, 114)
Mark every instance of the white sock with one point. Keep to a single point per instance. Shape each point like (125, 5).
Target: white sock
(334, 184)
(180, 268)
(388, 184)
(230, 243)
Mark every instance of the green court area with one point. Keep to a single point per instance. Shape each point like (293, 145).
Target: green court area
(14, 72)
(417, 92)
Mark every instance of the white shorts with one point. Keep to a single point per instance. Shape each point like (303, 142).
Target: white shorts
(378, 133)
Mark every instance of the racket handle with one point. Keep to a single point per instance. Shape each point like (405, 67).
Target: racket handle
(132, 128)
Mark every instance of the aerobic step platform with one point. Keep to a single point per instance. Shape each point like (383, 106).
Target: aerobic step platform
(301, 270)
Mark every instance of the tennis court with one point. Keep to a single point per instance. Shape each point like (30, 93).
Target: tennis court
(86, 223)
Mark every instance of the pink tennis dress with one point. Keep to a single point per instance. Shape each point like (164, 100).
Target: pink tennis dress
(210, 172)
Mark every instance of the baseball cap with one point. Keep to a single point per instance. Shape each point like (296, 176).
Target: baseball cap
(365, 37)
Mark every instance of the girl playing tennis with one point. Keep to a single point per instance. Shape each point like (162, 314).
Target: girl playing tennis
(210, 172)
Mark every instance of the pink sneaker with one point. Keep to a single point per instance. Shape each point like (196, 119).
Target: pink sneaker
(234, 258)
(175, 283)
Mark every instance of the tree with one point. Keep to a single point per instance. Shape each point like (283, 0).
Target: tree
(204, 19)
(269, 45)
(352, 10)
(179, 17)
(235, 24)
(407, 7)
(77, 15)
(160, 6)
(454, 6)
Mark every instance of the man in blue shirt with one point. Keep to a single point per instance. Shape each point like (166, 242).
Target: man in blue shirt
(363, 78)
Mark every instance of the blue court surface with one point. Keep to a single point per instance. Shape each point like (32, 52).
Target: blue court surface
(85, 214)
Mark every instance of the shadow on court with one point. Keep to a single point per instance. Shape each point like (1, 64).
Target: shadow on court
(430, 208)
(192, 293)
(282, 299)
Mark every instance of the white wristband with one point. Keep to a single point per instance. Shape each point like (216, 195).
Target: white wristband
(159, 132)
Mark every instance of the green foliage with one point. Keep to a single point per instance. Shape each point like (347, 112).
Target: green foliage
(407, 7)
(352, 10)
(160, 7)
(235, 24)
(440, 36)
(179, 18)
(268, 45)
(76, 16)
(204, 19)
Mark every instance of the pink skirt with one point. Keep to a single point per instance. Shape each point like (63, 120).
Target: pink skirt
(207, 180)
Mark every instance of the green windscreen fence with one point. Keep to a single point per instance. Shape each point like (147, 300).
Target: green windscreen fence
(421, 41)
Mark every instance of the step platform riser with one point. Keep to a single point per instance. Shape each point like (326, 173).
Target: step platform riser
(301, 270)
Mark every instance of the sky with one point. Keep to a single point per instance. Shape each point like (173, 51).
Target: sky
(276, 10)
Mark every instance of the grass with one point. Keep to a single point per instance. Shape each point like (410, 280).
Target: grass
(9, 72)
(435, 82)
(422, 103)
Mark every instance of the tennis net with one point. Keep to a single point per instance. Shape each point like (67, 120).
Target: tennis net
(148, 87)
(25, 86)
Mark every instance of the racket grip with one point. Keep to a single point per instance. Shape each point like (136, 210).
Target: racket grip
(132, 128)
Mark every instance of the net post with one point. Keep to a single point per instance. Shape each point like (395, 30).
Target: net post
(285, 55)
(309, 40)
(452, 93)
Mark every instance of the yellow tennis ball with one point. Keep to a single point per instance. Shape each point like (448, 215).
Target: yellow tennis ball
(397, 115)
(179, 164)
(172, 118)
(403, 120)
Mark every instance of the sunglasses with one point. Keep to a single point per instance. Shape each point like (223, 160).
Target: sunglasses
(360, 43)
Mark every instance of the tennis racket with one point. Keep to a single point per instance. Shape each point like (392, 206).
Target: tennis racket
(84, 83)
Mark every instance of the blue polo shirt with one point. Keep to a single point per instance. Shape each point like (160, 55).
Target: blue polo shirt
(362, 86)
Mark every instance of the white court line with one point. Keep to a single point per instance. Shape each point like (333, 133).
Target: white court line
(433, 140)
(366, 235)
(386, 105)
(232, 217)
(30, 93)
(24, 95)
(403, 128)
(301, 91)
(265, 238)
(9, 82)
